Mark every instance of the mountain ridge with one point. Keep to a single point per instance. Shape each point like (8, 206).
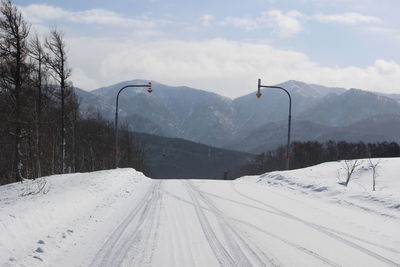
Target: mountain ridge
(215, 120)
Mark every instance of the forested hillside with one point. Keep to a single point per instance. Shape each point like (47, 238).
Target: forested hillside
(305, 154)
(41, 131)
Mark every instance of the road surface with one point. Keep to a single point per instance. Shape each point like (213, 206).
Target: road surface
(226, 223)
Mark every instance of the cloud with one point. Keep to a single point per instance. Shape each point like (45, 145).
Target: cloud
(284, 24)
(347, 18)
(288, 24)
(348, 4)
(391, 32)
(83, 80)
(242, 23)
(40, 13)
(206, 20)
(226, 67)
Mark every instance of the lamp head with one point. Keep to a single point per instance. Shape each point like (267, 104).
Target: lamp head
(258, 94)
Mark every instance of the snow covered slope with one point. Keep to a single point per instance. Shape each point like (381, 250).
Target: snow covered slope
(34, 228)
(323, 181)
(121, 218)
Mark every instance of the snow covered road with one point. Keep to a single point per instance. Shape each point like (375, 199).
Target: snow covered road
(223, 223)
(217, 223)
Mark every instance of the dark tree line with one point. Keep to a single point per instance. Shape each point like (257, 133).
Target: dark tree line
(310, 153)
(41, 130)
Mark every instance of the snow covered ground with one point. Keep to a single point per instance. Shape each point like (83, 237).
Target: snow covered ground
(121, 218)
(323, 181)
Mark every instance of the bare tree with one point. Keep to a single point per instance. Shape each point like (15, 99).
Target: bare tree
(71, 118)
(57, 61)
(350, 166)
(34, 81)
(374, 166)
(14, 31)
(39, 77)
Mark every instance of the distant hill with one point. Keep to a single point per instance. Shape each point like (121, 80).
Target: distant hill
(378, 128)
(271, 135)
(91, 104)
(178, 158)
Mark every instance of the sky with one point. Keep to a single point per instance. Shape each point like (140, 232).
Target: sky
(224, 46)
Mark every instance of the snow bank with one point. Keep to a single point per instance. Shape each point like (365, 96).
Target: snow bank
(31, 226)
(324, 180)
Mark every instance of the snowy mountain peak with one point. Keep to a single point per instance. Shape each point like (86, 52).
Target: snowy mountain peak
(310, 90)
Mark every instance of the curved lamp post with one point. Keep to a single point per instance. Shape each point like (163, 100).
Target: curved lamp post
(116, 118)
(258, 94)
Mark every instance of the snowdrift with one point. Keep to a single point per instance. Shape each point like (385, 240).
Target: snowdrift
(33, 225)
(325, 181)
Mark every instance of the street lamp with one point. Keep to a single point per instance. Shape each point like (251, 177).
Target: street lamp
(258, 94)
(116, 118)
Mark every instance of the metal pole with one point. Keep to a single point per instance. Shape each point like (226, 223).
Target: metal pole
(289, 119)
(288, 136)
(116, 134)
(116, 119)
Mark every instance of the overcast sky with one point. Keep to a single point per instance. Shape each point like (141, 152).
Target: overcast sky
(223, 46)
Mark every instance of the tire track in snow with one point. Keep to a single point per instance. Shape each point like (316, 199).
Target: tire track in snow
(149, 234)
(287, 242)
(106, 251)
(326, 228)
(222, 255)
(181, 236)
(321, 230)
(246, 253)
(133, 234)
(396, 251)
(361, 239)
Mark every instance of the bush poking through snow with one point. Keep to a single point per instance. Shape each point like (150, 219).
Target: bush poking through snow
(34, 187)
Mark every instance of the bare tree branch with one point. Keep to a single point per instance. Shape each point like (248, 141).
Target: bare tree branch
(350, 166)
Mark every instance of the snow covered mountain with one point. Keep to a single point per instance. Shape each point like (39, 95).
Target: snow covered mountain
(349, 107)
(246, 122)
(181, 112)
(252, 113)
